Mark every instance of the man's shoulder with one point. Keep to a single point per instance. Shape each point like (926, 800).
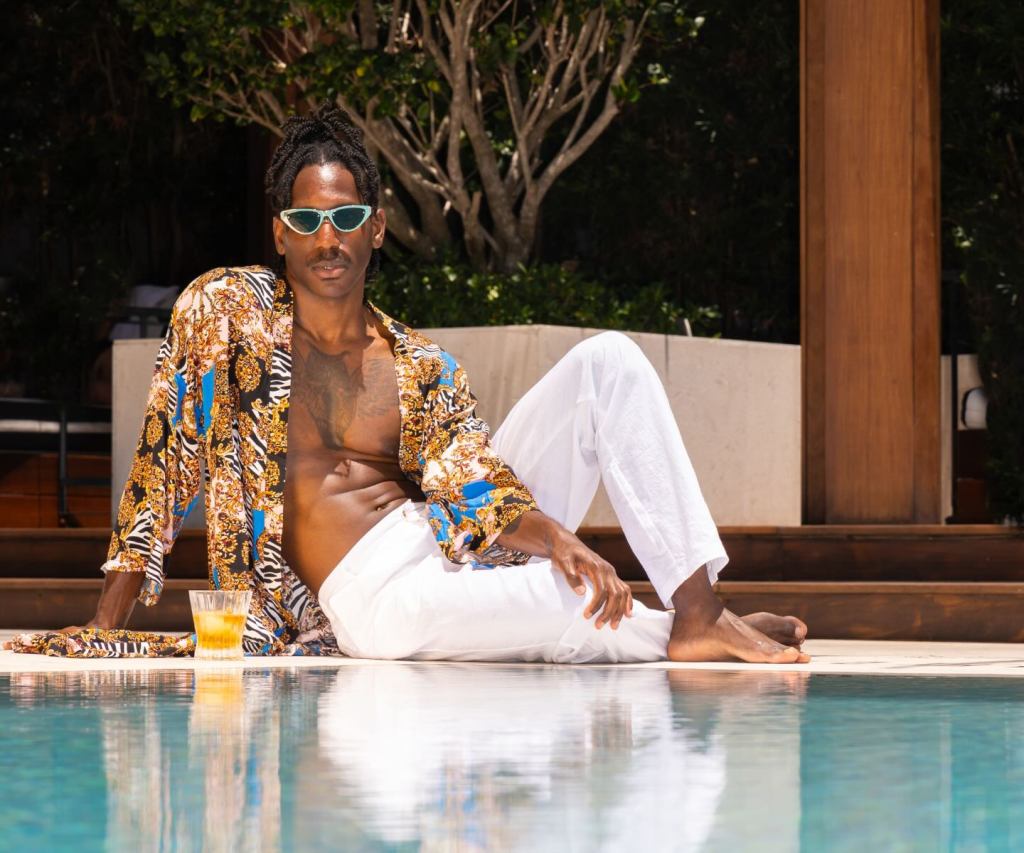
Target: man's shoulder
(427, 363)
(237, 284)
(415, 343)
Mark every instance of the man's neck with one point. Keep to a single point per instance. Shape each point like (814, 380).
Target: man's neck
(330, 321)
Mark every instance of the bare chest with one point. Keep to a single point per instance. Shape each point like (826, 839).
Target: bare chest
(345, 401)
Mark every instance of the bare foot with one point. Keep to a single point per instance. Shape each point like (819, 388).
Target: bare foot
(727, 638)
(787, 630)
(703, 630)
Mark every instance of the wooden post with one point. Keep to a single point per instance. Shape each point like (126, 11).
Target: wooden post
(870, 295)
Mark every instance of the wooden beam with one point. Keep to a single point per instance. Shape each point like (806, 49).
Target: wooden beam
(964, 612)
(870, 270)
(51, 603)
(937, 612)
(927, 269)
(910, 552)
(812, 257)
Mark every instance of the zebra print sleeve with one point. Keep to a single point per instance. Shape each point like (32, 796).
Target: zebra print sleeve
(165, 475)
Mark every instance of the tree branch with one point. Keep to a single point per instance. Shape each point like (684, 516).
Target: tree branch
(469, 90)
(572, 148)
(438, 144)
(367, 25)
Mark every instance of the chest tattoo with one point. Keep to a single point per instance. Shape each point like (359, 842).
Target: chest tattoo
(336, 395)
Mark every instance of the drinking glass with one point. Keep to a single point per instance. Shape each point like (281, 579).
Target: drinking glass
(219, 617)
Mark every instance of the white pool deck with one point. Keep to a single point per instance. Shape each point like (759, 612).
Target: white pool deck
(829, 657)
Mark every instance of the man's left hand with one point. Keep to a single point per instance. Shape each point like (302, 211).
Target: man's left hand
(612, 599)
(541, 536)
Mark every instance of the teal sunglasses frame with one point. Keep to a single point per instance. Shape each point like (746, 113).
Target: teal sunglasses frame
(365, 209)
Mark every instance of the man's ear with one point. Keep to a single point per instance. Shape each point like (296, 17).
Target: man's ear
(278, 227)
(379, 222)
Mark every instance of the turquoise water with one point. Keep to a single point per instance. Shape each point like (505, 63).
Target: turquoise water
(486, 757)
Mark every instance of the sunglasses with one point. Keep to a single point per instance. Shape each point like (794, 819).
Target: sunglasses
(307, 220)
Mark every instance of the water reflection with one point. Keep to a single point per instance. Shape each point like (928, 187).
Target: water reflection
(191, 758)
(475, 757)
(514, 757)
(434, 756)
(234, 753)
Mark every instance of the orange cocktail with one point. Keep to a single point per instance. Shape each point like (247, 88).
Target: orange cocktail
(219, 618)
(219, 630)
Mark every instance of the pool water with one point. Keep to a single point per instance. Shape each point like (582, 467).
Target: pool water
(403, 756)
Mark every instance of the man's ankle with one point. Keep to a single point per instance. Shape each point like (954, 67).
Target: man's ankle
(695, 601)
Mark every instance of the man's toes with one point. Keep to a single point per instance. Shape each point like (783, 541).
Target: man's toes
(787, 630)
(799, 628)
(789, 654)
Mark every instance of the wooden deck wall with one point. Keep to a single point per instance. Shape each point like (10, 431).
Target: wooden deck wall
(911, 582)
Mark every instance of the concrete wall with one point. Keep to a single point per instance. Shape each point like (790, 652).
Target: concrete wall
(737, 404)
(131, 373)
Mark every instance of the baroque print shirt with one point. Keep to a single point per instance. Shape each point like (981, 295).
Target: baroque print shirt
(219, 401)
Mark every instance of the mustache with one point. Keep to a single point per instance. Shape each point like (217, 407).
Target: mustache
(330, 255)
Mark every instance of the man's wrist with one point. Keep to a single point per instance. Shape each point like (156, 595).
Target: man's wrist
(558, 537)
(536, 534)
(117, 600)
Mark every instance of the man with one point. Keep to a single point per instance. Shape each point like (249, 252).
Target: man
(401, 529)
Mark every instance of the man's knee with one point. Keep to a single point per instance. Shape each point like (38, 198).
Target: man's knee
(611, 350)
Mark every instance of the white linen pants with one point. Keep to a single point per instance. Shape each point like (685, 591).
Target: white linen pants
(600, 414)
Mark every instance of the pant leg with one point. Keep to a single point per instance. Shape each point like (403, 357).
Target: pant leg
(395, 596)
(601, 414)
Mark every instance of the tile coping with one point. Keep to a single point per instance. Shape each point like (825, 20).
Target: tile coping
(829, 657)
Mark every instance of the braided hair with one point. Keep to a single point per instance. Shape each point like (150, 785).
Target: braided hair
(327, 136)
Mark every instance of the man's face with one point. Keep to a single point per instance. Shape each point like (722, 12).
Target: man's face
(329, 263)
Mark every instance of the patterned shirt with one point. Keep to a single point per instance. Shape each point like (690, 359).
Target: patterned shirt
(220, 396)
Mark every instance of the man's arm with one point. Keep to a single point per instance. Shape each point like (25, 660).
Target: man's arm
(120, 592)
(165, 473)
(541, 536)
(471, 493)
(117, 600)
(476, 500)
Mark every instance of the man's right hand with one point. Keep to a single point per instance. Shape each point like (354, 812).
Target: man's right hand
(70, 629)
(120, 592)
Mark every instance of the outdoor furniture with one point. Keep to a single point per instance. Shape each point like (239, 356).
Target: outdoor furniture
(46, 426)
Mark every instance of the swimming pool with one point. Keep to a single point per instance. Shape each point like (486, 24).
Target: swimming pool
(403, 756)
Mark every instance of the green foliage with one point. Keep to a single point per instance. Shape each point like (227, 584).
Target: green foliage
(983, 212)
(204, 46)
(453, 294)
(474, 108)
